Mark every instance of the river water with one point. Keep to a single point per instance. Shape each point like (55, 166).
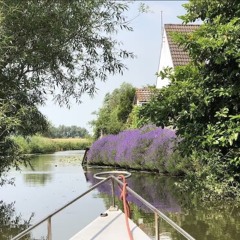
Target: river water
(52, 180)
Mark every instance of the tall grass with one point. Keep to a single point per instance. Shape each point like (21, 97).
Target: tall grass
(39, 144)
(71, 143)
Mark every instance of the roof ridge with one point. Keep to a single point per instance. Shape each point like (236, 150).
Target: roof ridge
(181, 24)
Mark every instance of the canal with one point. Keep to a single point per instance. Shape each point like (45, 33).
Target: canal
(52, 180)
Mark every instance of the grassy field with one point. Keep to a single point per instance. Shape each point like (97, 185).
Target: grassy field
(39, 144)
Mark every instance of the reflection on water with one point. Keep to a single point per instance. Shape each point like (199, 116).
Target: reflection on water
(37, 178)
(34, 193)
(50, 181)
(205, 221)
(38, 172)
(155, 189)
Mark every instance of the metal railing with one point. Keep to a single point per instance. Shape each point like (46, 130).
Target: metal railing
(158, 214)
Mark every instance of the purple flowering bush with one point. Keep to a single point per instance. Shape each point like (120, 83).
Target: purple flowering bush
(148, 148)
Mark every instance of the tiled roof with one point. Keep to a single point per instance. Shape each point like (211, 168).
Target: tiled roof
(143, 94)
(179, 56)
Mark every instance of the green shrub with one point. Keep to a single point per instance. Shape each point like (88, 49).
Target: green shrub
(23, 144)
(39, 144)
(63, 144)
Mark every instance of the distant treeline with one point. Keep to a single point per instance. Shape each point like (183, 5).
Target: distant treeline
(67, 132)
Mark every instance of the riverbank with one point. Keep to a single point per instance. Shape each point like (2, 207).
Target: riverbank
(39, 144)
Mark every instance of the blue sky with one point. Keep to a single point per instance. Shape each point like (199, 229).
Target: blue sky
(145, 42)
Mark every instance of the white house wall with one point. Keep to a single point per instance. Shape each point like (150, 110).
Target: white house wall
(165, 61)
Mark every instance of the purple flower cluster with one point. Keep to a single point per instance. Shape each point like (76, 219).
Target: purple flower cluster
(147, 148)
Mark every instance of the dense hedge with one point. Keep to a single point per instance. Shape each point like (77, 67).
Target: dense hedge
(148, 148)
(38, 144)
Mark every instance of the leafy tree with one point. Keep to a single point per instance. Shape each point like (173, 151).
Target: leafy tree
(59, 44)
(203, 102)
(113, 115)
(16, 118)
(135, 118)
(11, 223)
(53, 47)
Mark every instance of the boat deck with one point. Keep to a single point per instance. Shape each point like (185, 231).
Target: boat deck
(109, 227)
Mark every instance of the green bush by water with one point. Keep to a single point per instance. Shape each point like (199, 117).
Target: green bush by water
(39, 144)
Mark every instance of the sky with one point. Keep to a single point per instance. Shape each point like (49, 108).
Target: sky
(145, 42)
